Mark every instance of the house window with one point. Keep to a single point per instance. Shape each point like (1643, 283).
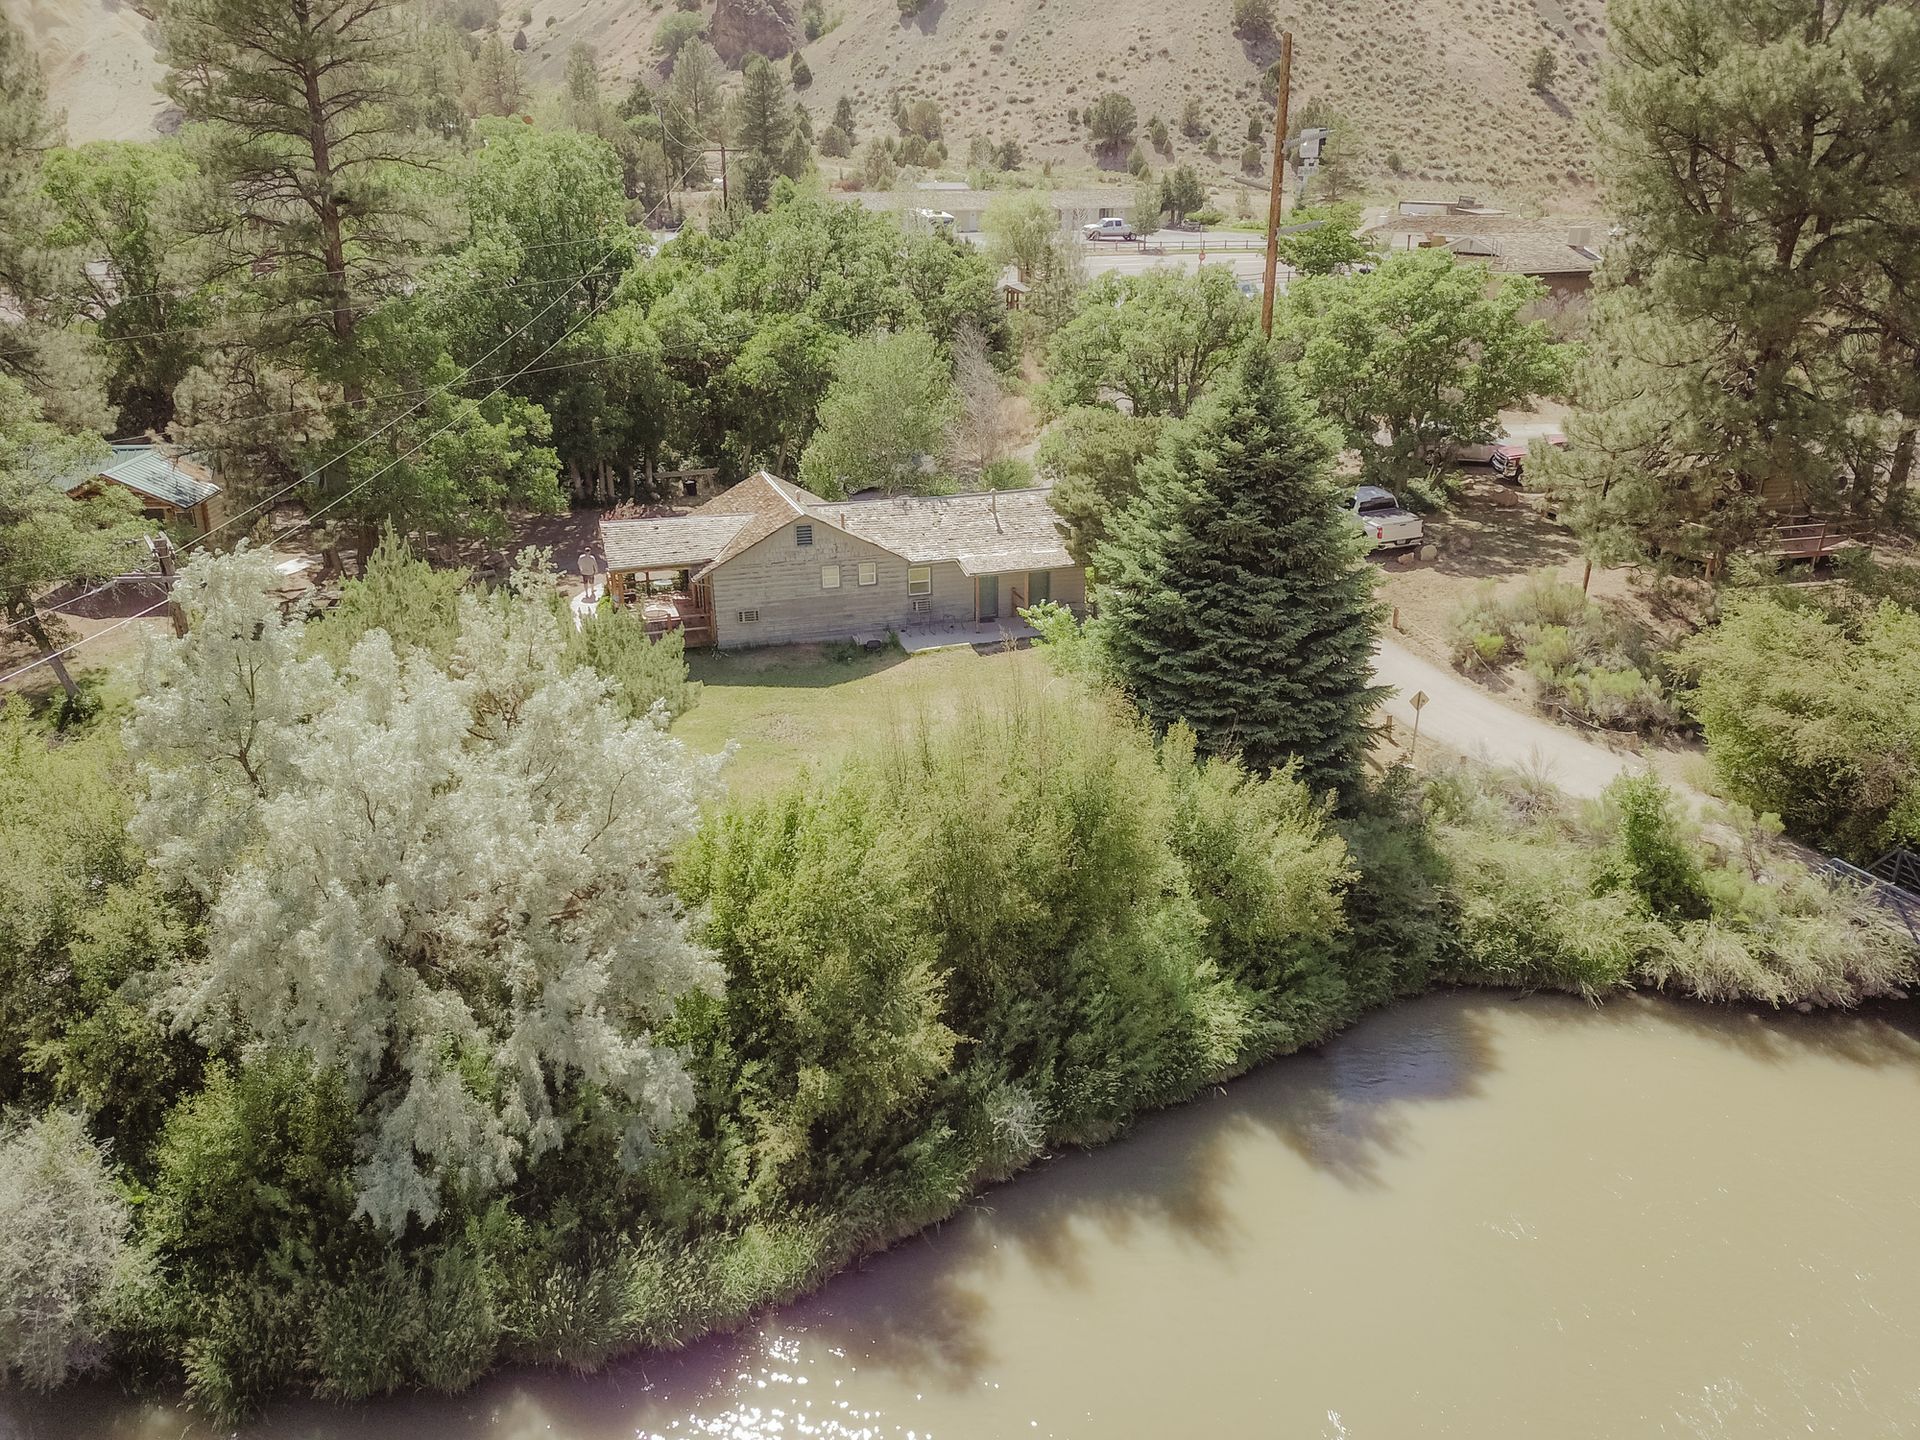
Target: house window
(1039, 587)
(829, 577)
(920, 580)
(748, 617)
(803, 534)
(869, 572)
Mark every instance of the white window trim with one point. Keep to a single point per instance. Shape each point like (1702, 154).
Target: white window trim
(829, 577)
(869, 572)
(923, 585)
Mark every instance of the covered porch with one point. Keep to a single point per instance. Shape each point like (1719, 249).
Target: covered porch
(655, 566)
(1000, 594)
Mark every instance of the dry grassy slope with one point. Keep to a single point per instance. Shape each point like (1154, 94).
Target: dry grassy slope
(1440, 83)
(98, 57)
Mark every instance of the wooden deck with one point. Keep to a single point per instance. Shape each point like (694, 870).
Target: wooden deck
(1815, 540)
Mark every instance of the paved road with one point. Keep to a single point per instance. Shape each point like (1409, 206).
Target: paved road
(1463, 717)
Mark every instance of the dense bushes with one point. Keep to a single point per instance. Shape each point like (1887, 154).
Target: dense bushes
(972, 943)
(1583, 657)
(1625, 892)
(1815, 715)
(63, 1249)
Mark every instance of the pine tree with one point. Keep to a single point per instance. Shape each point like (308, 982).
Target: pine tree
(299, 118)
(1756, 323)
(1234, 596)
(843, 115)
(763, 115)
(497, 88)
(55, 363)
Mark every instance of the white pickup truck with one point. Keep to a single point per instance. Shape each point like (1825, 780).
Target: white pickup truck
(1388, 525)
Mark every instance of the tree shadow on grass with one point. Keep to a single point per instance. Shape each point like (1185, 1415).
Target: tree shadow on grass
(799, 667)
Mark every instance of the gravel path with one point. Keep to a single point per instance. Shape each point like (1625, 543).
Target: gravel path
(1463, 717)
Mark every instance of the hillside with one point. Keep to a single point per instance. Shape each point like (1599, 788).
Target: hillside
(1438, 86)
(98, 56)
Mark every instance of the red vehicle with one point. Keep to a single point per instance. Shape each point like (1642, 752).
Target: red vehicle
(1509, 457)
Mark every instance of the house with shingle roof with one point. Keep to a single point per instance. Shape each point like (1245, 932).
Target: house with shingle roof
(769, 563)
(173, 489)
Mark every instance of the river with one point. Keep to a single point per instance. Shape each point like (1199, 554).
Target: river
(1472, 1216)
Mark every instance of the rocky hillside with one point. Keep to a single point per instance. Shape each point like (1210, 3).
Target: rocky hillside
(98, 56)
(1436, 89)
(1440, 86)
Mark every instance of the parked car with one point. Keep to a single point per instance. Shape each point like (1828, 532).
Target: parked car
(1510, 459)
(936, 219)
(1482, 452)
(1387, 524)
(1114, 227)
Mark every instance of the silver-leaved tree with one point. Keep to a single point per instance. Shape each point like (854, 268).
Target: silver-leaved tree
(447, 884)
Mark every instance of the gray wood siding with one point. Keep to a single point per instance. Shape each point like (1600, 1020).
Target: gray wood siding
(781, 579)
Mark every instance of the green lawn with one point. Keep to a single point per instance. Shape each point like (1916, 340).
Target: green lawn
(798, 706)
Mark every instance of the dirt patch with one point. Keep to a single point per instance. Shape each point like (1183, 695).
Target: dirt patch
(1492, 534)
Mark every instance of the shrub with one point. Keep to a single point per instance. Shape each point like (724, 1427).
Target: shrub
(643, 672)
(1812, 716)
(63, 1247)
(1011, 473)
(1253, 19)
(1624, 893)
(1583, 657)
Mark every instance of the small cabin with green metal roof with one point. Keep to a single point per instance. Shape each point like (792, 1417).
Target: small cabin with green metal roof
(173, 489)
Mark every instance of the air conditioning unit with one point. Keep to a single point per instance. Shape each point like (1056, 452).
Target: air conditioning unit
(923, 607)
(748, 617)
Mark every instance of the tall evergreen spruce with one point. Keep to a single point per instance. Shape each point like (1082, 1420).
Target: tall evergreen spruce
(1233, 593)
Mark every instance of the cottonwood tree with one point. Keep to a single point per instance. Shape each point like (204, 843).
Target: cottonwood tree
(1023, 231)
(1420, 354)
(1329, 248)
(445, 886)
(1156, 340)
(1094, 456)
(1757, 342)
(884, 419)
(1234, 596)
(117, 203)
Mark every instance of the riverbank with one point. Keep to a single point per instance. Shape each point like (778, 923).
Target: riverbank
(1474, 1214)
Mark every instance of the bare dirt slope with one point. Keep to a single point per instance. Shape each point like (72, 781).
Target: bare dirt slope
(98, 56)
(1438, 84)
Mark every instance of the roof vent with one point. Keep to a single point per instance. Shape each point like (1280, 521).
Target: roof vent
(803, 534)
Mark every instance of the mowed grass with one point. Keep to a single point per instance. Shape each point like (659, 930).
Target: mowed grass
(797, 708)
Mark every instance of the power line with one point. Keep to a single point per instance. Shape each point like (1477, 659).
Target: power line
(360, 307)
(300, 525)
(189, 287)
(371, 435)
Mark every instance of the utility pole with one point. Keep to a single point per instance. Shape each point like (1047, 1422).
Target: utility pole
(723, 174)
(1277, 194)
(163, 552)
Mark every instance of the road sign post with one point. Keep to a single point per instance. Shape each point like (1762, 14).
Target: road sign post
(1419, 703)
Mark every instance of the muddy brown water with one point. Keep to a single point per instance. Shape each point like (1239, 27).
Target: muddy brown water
(1472, 1216)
